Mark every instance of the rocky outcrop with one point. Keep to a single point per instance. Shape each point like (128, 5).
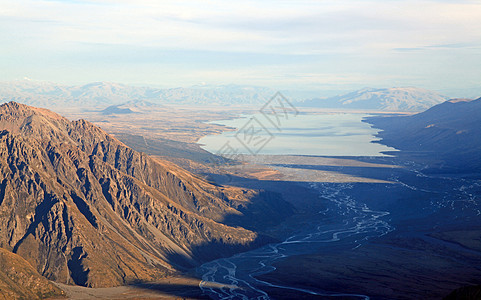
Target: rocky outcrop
(83, 208)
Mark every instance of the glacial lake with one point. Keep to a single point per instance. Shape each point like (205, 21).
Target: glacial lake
(333, 134)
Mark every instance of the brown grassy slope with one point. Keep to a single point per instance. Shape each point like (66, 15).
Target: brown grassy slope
(19, 280)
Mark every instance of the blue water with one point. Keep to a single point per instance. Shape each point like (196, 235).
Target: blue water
(338, 134)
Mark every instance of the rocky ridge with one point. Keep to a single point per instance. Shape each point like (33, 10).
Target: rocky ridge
(82, 208)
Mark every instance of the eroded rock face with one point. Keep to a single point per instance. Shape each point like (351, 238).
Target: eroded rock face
(83, 208)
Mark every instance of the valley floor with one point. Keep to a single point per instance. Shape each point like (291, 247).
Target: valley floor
(430, 246)
(380, 227)
(173, 287)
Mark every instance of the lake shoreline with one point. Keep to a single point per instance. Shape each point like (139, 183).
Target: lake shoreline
(328, 134)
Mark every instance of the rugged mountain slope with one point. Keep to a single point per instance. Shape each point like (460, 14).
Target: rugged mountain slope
(388, 99)
(450, 131)
(83, 208)
(19, 280)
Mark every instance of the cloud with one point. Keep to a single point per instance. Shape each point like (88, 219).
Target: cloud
(456, 46)
(260, 26)
(409, 49)
(297, 37)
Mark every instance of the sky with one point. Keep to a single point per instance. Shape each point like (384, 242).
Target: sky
(303, 45)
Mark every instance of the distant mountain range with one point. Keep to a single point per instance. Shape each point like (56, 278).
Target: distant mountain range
(387, 99)
(80, 207)
(111, 96)
(450, 131)
(103, 94)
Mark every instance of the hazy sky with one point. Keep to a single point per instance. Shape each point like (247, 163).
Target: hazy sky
(325, 45)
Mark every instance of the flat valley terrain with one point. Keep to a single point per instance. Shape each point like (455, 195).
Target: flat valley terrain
(384, 227)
